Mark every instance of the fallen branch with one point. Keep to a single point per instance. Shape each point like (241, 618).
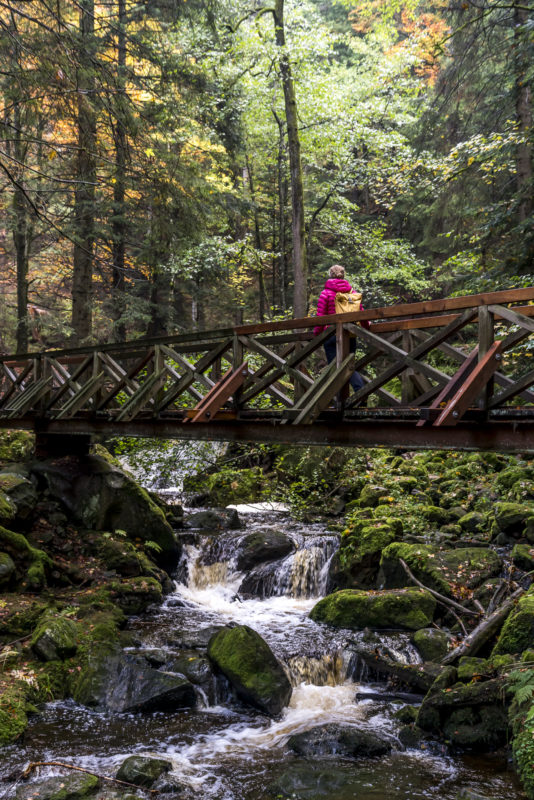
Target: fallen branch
(35, 764)
(446, 601)
(486, 629)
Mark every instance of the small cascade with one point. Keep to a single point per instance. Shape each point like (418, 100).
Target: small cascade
(325, 670)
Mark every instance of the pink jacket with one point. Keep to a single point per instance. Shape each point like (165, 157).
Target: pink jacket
(327, 300)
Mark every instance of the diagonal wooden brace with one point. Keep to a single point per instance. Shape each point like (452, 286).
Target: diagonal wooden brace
(471, 387)
(219, 394)
(454, 384)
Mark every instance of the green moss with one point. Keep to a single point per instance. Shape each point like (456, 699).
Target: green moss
(421, 561)
(511, 518)
(510, 475)
(20, 549)
(55, 638)
(517, 634)
(134, 595)
(408, 609)
(13, 716)
(16, 445)
(250, 665)
(229, 486)
(523, 557)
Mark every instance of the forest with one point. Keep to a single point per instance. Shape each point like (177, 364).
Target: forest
(171, 165)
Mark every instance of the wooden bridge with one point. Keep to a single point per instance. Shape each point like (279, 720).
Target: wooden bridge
(451, 374)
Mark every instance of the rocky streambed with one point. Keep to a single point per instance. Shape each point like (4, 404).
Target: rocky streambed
(283, 659)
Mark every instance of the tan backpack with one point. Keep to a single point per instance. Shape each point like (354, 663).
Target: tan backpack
(347, 302)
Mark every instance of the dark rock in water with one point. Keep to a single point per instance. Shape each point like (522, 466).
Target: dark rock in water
(339, 740)
(472, 793)
(61, 787)
(197, 640)
(145, 689)
(409, 609)
(382, 697)
(309, 781)
(196, 668)
(142, 771)
(417, 676)
(111, 681)
(265, 544)
(411, 737)
(251, 667)
(55, 638)
(407, 715)
(102, 497)
(471, 716)
(432, 643)
(259, 582)
(214, 521)
(154, 657)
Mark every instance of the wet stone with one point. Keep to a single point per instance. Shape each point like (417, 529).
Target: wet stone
(62, 787)
(142, 771)
(339, 740)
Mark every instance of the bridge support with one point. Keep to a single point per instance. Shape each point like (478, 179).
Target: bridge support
(55, 445)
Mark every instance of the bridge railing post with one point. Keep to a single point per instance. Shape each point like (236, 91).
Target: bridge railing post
(486, 337)
(238, 355)
(342, 351)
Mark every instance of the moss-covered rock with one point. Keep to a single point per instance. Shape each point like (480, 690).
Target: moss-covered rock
(441, 570)
(8, 510)
(7, 570)
(370, 495)
(511, 518)
(65, 787)
(20, 492)
(523, 557)
(340, 740)
(408, 609)
(13, 707)
(506, 479)
(122, 556)
(360, 552)
(135, 595)
(471, 716)
(432, 643)
(251, 667)
(517, 634)
(473, 522)
(102, 497)
(142, 770)
(16, 445)
(32, 563)
(264, 544)
(55, 638)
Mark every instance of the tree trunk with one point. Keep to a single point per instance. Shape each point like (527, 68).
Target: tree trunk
(523, 107)
(282, 199)
(298, 229)
(20, 225)
(84, 199)
(257, 239)
(119, 211)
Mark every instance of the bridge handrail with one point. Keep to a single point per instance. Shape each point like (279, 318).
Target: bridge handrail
(402, 316)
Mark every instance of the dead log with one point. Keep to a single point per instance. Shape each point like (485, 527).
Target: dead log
(484, 631)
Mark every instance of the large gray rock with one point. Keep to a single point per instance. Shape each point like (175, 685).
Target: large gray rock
(432, 643)
(102, 497)
(339, 740)
(142, 770)
(20, 491)
(55, 638)
(111, 681)
(251, 667)
(264, 544)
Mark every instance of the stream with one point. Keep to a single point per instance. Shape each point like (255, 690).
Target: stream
(224, 751)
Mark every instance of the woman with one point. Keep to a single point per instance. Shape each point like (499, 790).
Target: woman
(327, 305)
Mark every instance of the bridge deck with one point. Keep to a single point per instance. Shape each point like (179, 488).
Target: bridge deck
(452, 373)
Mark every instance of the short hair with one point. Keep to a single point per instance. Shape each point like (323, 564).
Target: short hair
(337, 271)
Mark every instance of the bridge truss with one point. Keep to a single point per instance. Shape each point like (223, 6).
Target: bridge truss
(452, 373)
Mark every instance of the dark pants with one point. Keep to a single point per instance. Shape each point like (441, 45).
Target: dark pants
(356, 380)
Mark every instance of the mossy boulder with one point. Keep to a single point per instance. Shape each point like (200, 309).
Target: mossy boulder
(62, 787)
(473, 522)
(32, 564)
(471, 716)
(16, 445)
(360, 552)
(523, 556)
(55, 638)
(432, 643)
(251, 667)
(7, 570)
(517, 634)
(20, 492)
(100, 496)
(135, 595)
(440, 570)
(436, 515)
(122, 556)
(13, 711)
(142, 770)
(512, 474)
(511, 518)
(408, 609)
(370, 495)
(264, 544)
